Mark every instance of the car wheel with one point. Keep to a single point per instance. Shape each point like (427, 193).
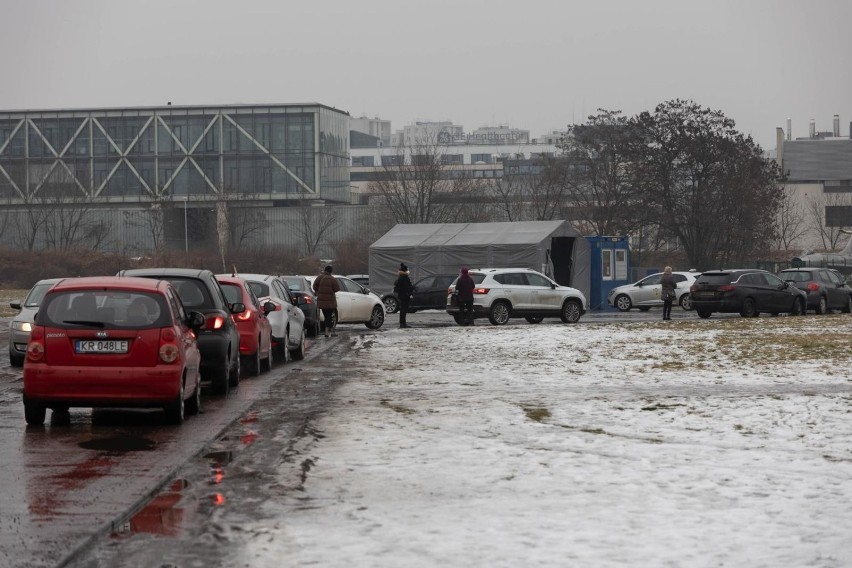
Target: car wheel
(193, 405)
(847, 307)
(822, 306)
(391, 304)
(377, 317)
(798, 307)
(34, 413)
(704, 314)
(571, 311)
(221, 378)
(251, 363)
(685, 302)
(499, 313)
(235, 372)
(266, 363)
(534, 319)
(749, 310)
(298, 353)
(623, 303)
(459, 319)
(16, 359)
(176, 411)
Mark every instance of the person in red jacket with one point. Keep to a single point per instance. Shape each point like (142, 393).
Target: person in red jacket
(464, 288)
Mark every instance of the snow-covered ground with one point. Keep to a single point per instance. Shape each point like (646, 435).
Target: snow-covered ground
(721, 442)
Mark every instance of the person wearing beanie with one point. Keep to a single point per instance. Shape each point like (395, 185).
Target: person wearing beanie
(403, 290)
(326, 287)
(464, 289)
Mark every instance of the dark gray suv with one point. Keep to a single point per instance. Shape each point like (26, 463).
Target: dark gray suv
(218, 338)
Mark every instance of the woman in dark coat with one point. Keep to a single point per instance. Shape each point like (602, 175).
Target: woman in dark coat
(403, 290)
(464, 289)
(326, 287)
(667, 292)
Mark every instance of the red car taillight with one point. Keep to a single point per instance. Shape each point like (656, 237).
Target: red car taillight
(727, 288)
(244, 316)
(813, 287)
(35, 347)
(480, 290)
(168, 347)
(309, 300)
(214, 322)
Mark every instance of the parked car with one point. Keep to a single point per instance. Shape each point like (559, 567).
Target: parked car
(218, 339)
(306, 300)
(430, 293)
(362, 279)
(252, 324)
(745, 291)
(287, 320)
(504, 293)
(355, 304)
(22, 323)
(826, 289)
(108, 341)
(645, 294)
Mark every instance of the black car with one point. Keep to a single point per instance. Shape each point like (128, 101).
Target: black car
(300, 288)
(218, 339)
(430, 293)
(745, 291)
(826, 288)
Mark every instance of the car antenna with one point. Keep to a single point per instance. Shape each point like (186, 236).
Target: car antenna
(234, 273)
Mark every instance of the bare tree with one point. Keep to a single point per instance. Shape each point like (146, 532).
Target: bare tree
(152, 220)
(422, 183)
(790, 222)
(816, 205)
(314, 224)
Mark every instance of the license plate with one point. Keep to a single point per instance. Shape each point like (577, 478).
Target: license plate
(101, 346)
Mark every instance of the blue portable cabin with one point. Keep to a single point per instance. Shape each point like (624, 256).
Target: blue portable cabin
(610, 260)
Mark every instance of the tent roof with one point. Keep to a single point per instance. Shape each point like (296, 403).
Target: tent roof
(466, 234)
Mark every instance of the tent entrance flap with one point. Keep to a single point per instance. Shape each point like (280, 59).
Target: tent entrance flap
(562, 257)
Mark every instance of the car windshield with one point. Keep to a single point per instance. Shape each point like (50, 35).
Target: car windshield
(796, 276)
(260, 289)
(295, 284)
(36, 295)
(108, 309)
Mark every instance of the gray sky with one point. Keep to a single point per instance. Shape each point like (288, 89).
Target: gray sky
(539, 64)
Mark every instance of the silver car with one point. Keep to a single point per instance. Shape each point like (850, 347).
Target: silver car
(21, 324)
(645, 294)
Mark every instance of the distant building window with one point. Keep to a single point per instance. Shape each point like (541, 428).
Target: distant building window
(390, 160)
(454, 159)
(363, 161)
(480, 158)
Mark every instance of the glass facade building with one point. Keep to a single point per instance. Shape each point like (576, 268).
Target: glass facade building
(136, 155)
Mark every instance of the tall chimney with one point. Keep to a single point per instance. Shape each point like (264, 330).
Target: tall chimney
(812, 129)
(789, 129)
(837, 126)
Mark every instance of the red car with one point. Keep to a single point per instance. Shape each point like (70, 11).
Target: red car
(112, 342)
(252, 324)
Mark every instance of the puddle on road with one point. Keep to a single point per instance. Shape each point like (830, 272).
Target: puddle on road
(119, 444)
(165, 515)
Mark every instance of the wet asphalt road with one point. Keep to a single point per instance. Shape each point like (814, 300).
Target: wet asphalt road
(72, 492)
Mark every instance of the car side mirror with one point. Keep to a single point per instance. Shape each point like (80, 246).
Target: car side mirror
(238, 308)
(195, 320)
(552, 286)
(268, 307)
(15, 305)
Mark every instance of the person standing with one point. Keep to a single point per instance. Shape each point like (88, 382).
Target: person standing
(667, 292)
(403, 290)
(464, 289)
(326, 287)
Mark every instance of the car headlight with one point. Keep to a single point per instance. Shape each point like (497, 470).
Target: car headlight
(22, 326)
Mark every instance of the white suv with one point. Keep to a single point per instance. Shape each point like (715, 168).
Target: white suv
(503, 293)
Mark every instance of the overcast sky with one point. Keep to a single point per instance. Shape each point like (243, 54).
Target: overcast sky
(538, 65)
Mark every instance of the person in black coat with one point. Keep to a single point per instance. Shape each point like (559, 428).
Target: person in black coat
(403, 290)
(464, 289)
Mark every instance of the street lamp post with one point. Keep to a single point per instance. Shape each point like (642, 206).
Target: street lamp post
(185, 227)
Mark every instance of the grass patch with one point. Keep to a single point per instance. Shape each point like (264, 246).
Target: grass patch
(10, 295)
(536, 413)
(396, 407)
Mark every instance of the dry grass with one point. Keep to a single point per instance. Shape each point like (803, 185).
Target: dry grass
(10, 295)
